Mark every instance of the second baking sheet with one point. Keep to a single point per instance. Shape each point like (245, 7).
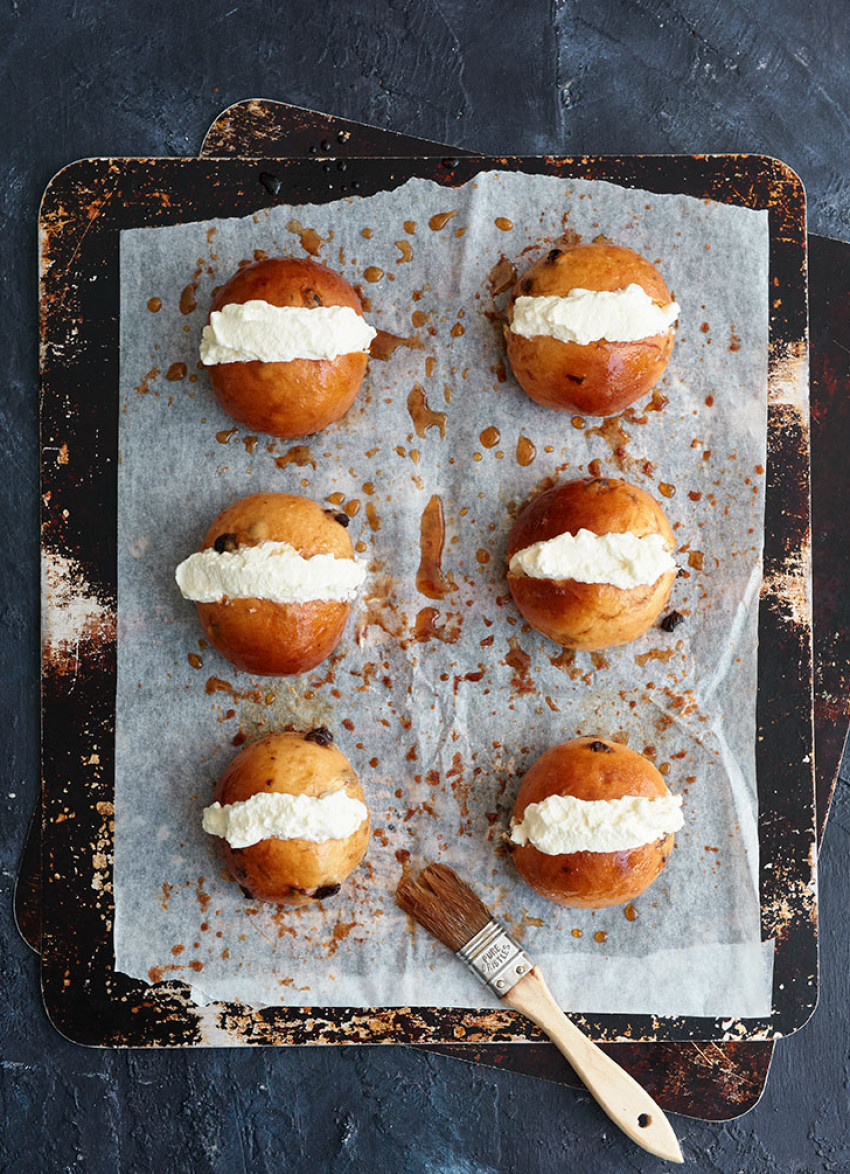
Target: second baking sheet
(442, 703)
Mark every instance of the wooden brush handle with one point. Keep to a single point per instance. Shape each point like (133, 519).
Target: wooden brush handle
(629, 1106)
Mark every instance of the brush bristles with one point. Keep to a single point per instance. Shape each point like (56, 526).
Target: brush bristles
(444, 905)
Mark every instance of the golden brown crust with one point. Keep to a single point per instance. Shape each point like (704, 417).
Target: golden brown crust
(257, 635)
(291, 872)
(274, 639)
(590, 880)
(281, 517)
(600, 378)
(304, 395)
(605, 505)
(588, 617)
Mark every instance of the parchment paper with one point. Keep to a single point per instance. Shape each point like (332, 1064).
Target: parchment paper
(441, 729)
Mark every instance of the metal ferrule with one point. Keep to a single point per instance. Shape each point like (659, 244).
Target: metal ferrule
(496, 958)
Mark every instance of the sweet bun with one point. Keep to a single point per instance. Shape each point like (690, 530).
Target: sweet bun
(589, 616)
(596, 378)
(300, 396)
(260, 635)
(292, 871)
(592, 769)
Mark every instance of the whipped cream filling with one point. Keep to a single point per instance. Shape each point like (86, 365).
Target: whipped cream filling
(623, 560)
(256, 330)
(271, 815)
(562, 823)
(586, 315)
(270, 570)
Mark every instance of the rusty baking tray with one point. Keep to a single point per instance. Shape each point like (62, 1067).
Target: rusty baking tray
(721, 1080)
(84, 208)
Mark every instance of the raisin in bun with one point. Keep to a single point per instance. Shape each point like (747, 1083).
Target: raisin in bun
(279, 866)
(583, 772)
(596, 377)
(591, 615)
(301, 395)
(276, 534)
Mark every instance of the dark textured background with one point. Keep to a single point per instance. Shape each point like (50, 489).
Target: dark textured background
(94, 77)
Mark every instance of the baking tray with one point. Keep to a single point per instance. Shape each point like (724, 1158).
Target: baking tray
(85, 207)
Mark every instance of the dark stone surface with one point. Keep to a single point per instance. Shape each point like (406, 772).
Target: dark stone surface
(82, 78)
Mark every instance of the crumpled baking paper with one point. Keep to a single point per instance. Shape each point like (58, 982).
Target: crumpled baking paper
(441, 704)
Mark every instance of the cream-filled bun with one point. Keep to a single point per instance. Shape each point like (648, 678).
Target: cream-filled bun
(273, 583)
(290, 817)
(593, 824)
(286, 346)
(590, 329)
(590, 563)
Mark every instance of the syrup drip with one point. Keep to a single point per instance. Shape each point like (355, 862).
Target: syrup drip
(525, 451)
(430, 579)
(440, 220)
(501, 277)
(187, 298)
(299, 455)
(384, 345)
(422, 416)
(311, 242)
(425, 628)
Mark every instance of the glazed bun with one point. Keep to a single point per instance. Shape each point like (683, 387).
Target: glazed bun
(290, 869)
(301, 395)
(583, 772)
(572, 595)
(595, 377)
(264, 635)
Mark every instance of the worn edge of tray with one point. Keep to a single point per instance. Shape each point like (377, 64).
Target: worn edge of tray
(790, 909)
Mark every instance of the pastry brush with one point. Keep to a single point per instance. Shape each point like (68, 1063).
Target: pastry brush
(440, 901)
